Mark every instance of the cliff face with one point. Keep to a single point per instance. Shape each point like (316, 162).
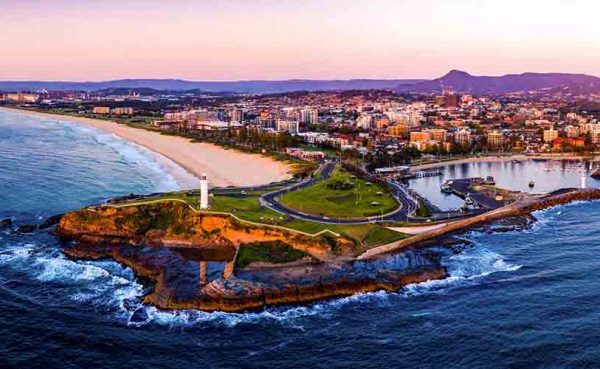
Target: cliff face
(175, 224)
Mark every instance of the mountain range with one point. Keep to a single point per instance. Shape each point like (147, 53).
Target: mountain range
(256, 86)
(464, 82)
(456, 80)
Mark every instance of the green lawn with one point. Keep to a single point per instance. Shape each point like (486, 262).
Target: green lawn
(354, 202)
(269, 252)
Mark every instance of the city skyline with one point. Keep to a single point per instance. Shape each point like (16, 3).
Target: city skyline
(267, 40)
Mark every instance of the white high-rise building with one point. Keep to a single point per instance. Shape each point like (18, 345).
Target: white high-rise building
(203, 191)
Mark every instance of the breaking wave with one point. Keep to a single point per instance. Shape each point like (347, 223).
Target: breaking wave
(466, 268)
(113, 288)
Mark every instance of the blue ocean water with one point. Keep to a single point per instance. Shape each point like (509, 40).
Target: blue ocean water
(518, 299)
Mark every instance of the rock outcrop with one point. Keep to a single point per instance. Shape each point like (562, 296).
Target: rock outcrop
(158, 242)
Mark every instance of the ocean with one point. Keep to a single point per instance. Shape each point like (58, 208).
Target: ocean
(520, 299)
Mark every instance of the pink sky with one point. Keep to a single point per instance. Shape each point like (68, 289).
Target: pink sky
(280, 39)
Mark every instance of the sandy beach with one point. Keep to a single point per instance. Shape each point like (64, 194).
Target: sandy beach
(223, 167)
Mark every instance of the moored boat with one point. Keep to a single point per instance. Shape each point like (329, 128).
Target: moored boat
(596, 174)
(447, 188)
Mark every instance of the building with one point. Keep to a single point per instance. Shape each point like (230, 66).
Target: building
(572, 131)
(21, 97)
(309, 115)
(217, 125)
(437, 134)
(305, 155)
(382, 122)
(463, 136)
(203, 191)
(595, 135)
(101, 110)
(451, 99)
(236, 115)
(495, 139)
(291, 126)
(365, 121)
(399, 130)
(420, 136)
(550, 135)
(123, 111)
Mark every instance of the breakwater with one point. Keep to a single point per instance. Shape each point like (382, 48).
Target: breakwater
(518, 208)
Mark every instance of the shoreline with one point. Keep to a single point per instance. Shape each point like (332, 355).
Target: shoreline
(223, 167)
(496, 158)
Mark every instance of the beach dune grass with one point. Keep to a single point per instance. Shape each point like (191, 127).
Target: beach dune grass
(331, 199)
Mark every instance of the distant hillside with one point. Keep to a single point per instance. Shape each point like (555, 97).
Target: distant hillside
(235, 86)
(464, 82)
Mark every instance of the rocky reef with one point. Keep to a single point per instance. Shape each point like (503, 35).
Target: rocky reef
(215, 262)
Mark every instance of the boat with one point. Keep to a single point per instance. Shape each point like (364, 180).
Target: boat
(469, 201)
(446, 188)
(531, 184)
(489, 180)
(596, 174)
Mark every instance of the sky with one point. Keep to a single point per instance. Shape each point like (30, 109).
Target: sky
(223, 40)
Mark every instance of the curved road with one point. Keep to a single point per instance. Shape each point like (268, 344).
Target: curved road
(407, 204)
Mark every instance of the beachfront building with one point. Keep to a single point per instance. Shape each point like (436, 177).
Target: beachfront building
(21, 97)
(125, 110)
(101, 110)
(217, 125)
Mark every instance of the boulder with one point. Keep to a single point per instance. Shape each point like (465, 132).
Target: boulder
(26, 228)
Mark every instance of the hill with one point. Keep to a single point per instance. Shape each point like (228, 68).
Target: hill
(460, 81)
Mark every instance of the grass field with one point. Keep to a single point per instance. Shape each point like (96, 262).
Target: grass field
(355, 202)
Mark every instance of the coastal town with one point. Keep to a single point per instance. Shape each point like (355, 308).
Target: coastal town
(381, 127)
(318, 181)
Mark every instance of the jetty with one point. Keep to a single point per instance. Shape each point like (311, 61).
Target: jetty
(518, 208)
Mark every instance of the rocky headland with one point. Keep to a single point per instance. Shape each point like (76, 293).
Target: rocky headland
(215, 262)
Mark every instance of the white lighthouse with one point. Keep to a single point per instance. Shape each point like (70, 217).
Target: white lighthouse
(203, 191)
(583, 179)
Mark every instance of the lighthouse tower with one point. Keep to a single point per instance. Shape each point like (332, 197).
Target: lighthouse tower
(583, 179)
(203, 191)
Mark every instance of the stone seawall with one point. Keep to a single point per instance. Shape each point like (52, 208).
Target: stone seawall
(522, 207)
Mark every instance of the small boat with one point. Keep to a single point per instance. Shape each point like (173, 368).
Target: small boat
(596, 174)
(469, 201)
(446, 188)
(489, 180)
(531, 184)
